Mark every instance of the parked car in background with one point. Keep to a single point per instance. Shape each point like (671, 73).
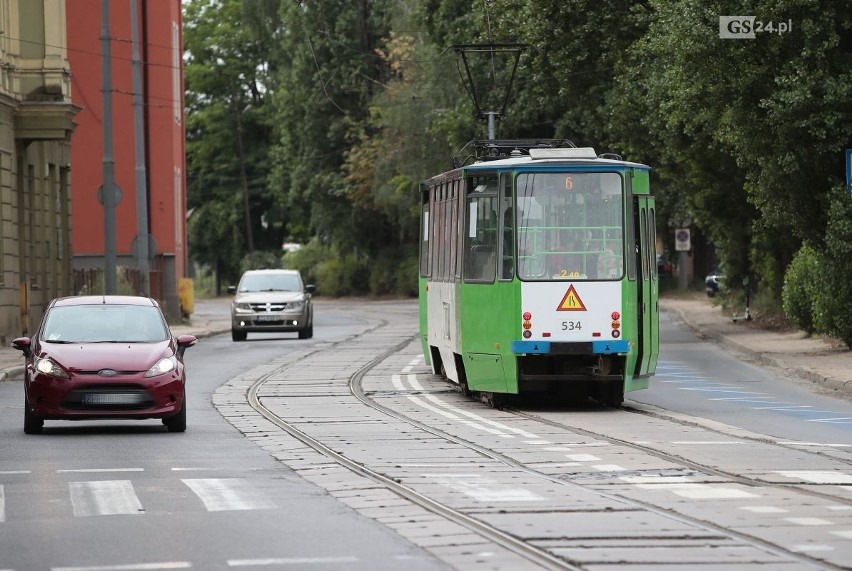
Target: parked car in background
(104, 356)
(664, 267)
(713, 281)
(271, 301)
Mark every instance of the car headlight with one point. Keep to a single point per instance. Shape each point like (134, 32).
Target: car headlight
(49, 367)
(162, 367)
(299, 305)
(242, 308)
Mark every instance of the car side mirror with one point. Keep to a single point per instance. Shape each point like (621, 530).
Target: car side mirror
(184, 342)
(311, 288)
(232, 290)
(22, 344)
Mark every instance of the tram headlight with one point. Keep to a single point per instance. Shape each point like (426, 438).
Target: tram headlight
(616, 324)
(527, 334)
(527, 324)
(616, 316)
(616, 333)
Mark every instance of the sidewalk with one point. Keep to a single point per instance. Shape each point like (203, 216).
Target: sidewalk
(814, 359)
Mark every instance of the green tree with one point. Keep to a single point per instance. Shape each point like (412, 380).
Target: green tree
(229, 65)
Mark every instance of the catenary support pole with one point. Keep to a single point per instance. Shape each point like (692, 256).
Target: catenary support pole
(142, 253)
(108, 189)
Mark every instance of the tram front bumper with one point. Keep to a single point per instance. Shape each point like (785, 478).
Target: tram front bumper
(612, 347)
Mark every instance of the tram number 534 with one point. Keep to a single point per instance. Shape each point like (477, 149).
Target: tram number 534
(572, 325)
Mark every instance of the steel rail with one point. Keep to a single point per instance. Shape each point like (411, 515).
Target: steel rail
(491, 533)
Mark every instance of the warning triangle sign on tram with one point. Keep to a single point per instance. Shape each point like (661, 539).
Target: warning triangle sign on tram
(571, 301)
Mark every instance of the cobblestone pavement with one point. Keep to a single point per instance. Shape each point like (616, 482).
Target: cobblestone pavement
(820, 360)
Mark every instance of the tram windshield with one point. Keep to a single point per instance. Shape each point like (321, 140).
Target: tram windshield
(570, 226)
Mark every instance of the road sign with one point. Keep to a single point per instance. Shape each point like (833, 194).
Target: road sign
(682, 241)
(849, 170)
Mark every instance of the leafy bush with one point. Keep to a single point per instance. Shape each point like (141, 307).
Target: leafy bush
(340, 276)
(798, 294)
(260, 260)
(394, 272)
(833, 296)
(405, 278)
(307, 259)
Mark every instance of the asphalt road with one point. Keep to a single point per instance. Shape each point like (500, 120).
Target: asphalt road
(104, 494)
(234, 493)
(701, 379)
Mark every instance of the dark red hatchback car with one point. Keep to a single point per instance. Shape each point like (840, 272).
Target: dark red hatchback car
(104, 357)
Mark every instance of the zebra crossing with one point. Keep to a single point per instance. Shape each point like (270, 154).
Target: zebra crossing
(106, 497)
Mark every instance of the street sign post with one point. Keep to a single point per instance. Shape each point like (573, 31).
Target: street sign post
(682, 240)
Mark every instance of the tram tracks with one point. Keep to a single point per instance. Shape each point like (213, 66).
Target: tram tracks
(534, 553)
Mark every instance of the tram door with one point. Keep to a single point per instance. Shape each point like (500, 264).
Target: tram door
(647, 282)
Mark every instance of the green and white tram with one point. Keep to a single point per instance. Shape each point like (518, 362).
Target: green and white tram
(538, 273)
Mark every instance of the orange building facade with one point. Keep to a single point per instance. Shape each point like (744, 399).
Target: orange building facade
(160, 51)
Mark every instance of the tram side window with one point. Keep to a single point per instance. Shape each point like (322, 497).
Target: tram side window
(424, 241)
(481, 239)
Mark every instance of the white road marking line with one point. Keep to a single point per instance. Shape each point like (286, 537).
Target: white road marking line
(745, 399)
(88, 470)
(537, 465)
(104, 497)
(684, 487)
(844, 419)
(708, 442)
(582, 457)
(764, 509)
(817, 476)
(442, 410)
(825, 444)
(701, 491)
(712, 390)
(227, 494)
(537, 442)
(791, 407)
(446, 414)
(130, 567)
(196, 469)
(483, 489)
(435, 465)
(290, 561)
(838, 508)
(397, 383)
(10, 472)
(807, 520)
(655, 479)
(609, 468)
(843, 534)
(809, 547)
(412, 379)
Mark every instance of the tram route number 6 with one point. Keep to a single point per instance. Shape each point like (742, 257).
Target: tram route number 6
(572, 325)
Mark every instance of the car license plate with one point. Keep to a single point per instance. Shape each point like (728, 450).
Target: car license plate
(111, 398)
(268, 318)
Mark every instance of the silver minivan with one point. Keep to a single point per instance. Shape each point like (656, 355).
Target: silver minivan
(271, 301)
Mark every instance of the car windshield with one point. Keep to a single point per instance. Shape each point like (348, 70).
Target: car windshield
(104, 324)
(270, 282)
